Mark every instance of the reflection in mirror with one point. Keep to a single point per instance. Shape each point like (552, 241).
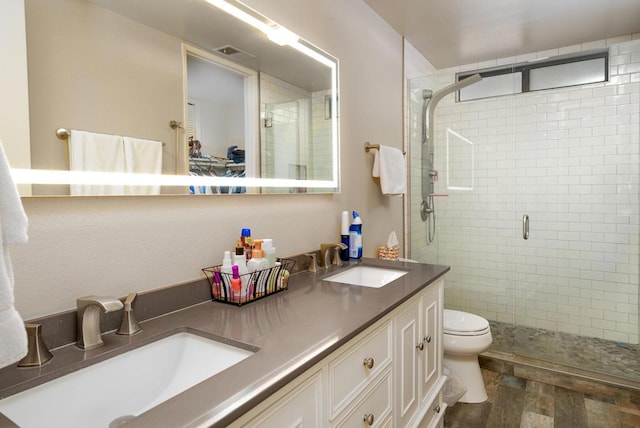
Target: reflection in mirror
(129, 69)
(222, 121)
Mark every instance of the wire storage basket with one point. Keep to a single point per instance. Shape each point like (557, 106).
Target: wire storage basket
(253, 285)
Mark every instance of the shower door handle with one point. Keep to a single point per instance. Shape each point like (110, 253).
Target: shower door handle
(525, 227)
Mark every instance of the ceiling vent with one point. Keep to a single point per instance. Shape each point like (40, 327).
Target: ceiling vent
(231, 50)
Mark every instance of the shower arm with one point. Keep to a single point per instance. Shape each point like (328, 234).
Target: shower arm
(428, 171)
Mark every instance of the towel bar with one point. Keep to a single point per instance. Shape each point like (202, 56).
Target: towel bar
(64, 134)
(368, 147)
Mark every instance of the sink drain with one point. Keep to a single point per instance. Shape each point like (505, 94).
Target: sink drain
(120, 421)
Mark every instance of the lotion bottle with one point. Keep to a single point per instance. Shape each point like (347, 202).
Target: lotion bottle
(257, 262)
(240, 260)
(355, 237)
(269, 252)
(226, 263)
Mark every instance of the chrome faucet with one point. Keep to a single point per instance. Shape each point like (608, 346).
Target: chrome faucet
(88, 319)
(324, 253)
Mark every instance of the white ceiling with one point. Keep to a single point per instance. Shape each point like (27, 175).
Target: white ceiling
(457, 32)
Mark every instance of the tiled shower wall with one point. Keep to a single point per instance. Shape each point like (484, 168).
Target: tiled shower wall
(568, 158)
(307, 137)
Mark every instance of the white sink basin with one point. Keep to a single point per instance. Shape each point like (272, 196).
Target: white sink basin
(128, 384)
(367, 276)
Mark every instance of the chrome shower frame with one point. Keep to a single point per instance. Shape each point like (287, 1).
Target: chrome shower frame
(429, 173)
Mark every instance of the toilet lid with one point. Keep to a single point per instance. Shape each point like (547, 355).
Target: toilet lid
(463, 323)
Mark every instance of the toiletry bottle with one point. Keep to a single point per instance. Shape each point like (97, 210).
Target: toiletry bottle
(355, 237)
(247, 242)
(240, 260)
(283, 279)
(344, 236)
(226, 263)
(257, 262)
(236, 282)
(269, 252)
(216, 289)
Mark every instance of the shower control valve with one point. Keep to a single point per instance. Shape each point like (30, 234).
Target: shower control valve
(433, 175)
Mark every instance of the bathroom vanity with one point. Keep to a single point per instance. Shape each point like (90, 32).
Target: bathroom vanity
(323, 353)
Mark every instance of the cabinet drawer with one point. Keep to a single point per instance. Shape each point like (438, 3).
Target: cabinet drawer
(300, 407)
(376, 405)
(351, 371)
(435, 412)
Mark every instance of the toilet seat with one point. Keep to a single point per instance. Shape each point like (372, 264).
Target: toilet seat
(459, 323)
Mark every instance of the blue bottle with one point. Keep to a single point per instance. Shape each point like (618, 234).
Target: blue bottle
(355, 237)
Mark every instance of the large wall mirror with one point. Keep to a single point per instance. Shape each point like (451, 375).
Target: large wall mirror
(175, 97)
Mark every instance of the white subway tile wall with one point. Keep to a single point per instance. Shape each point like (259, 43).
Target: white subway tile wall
(300, 133)
(568, 158)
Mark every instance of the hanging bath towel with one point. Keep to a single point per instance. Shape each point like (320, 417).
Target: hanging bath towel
(389, 165)
(142, 157)
(13, 230)
(93, 152)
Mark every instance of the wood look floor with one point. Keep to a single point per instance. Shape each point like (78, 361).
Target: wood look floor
(517, 402)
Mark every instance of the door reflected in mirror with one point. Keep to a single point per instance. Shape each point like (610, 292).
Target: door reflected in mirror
(130, 69)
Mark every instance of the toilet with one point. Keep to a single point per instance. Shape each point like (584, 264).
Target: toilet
(465, 336)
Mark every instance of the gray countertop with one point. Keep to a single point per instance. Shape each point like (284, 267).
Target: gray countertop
(291, 331)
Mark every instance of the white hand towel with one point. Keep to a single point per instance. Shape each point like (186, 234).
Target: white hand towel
(389, 165)
(13, 230)
(90, 151)
(142, 157)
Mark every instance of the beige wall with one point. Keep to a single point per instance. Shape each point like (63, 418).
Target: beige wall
(114, 245)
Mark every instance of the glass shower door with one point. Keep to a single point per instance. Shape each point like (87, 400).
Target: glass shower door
(576, 276)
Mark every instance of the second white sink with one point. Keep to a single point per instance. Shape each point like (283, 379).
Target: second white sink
(367, 276)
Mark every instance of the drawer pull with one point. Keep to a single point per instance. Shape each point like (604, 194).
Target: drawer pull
(428, 339)
(436, 409)
(368, 419)
(368, 363)
(420, 346)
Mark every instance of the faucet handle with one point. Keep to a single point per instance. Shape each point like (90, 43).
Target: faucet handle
(37, 351)
(336, 253)
(313, 267)
(129, 325)
(324, 253)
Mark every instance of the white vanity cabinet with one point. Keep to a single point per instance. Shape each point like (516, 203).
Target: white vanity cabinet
(390, 375)
(418, 359)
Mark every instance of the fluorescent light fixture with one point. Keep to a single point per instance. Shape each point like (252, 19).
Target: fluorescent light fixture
(277, 34)
(281, 36)
(241, 15)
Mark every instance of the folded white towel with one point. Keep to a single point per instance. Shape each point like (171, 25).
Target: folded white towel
(389, 165)
(13, 230)
(90, 151)
(142, 157)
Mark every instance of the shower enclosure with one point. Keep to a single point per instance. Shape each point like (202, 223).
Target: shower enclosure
(540, 224)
